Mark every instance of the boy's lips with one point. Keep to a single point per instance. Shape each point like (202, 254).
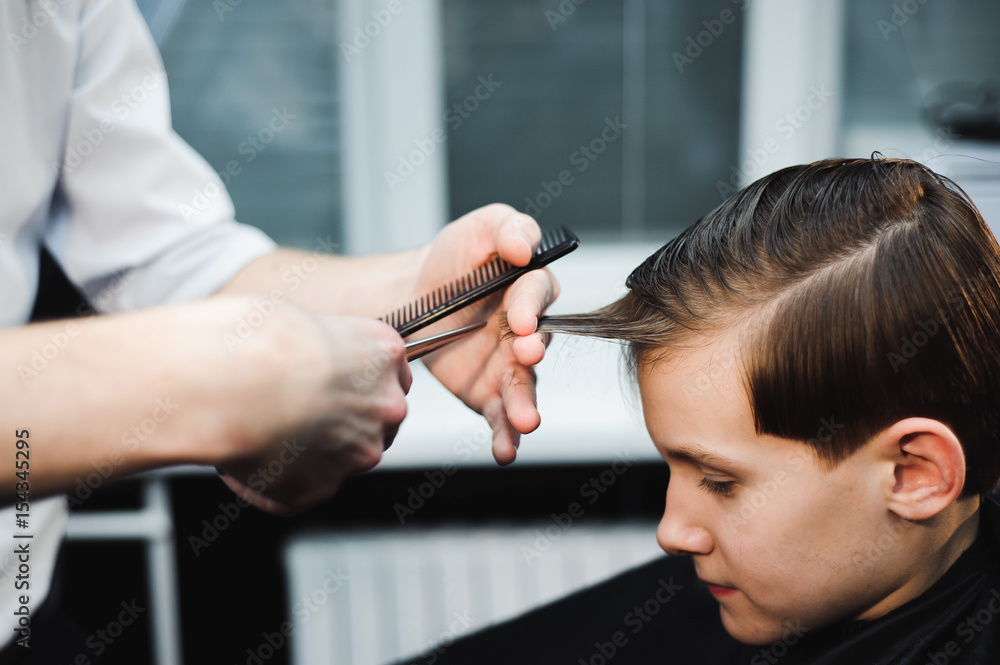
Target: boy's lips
(719, 590)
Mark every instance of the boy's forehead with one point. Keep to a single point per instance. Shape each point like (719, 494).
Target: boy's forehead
(695, 368)
(695, 403)
(696, 394)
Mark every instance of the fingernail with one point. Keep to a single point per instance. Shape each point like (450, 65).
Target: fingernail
(523, 238)
(518, 221)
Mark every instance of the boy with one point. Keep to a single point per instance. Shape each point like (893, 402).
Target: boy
(828, 499)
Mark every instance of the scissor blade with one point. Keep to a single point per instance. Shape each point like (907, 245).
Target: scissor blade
(421, 347)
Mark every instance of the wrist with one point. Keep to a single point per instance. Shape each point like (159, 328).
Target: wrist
(272, 380)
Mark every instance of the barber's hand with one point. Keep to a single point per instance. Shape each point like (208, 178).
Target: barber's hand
(342, 401)
(495, 379)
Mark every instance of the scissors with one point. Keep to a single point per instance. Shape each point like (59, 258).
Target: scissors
(421, 347)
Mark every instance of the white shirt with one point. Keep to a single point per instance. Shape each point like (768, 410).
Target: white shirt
(90, 165)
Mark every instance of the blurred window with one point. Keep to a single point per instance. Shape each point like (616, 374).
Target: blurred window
(922, 80)
(254, 89)
(614, 118)
(923, 66)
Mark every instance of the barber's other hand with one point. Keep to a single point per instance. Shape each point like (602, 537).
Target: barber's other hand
(340, 399)
(493, 378)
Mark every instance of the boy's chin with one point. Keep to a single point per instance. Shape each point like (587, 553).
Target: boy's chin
(755, 631)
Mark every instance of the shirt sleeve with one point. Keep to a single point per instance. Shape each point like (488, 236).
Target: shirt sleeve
(138, 217)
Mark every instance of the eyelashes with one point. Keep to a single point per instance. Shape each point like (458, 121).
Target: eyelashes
(721, 488)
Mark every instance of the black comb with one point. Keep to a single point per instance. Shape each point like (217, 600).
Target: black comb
(478, 284)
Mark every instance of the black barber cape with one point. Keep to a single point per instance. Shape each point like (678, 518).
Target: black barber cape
(662, 613)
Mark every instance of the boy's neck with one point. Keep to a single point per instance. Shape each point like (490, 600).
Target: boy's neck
(963, 523)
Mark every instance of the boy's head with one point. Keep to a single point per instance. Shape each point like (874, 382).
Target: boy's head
(818, 362)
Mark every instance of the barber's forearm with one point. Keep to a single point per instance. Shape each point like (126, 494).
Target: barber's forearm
(117, 395)
(332, 285)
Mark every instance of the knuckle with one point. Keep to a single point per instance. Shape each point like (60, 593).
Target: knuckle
(498, 209)
(385, 333)
(395, 350)
(369, 456)
(392, 409)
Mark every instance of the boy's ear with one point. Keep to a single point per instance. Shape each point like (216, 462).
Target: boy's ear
(927, 464)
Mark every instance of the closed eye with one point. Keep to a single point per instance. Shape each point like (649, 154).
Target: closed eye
(719, 487)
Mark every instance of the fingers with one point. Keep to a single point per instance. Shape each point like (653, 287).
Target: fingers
(391, 410)
(516, 236)
(528, 298)
(505, 437)
(392, 351)
(514, 414)
(398, 355)
(256, 499)
(517, 390)
(529, 350)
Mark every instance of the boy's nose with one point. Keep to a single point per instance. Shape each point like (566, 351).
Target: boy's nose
(678, 534)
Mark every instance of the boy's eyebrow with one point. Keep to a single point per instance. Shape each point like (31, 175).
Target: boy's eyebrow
(690, 452)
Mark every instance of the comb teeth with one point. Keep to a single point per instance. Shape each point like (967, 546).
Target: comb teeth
(551, 238)
(468, 288)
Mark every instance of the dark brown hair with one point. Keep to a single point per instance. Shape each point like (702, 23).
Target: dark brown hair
(865, 290)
